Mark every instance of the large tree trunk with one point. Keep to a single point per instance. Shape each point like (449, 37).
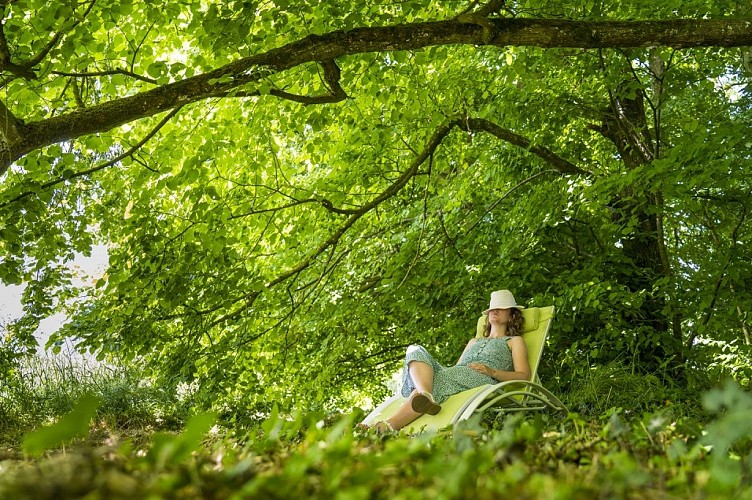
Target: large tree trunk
(626, 126)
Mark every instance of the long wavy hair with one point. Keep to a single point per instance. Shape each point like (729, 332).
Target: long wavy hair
(514, 327)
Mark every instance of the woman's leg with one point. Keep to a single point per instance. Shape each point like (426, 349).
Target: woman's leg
(417, 378)
(404, 415)
(422, 375)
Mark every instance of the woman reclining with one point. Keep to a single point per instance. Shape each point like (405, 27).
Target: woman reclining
(500, 356)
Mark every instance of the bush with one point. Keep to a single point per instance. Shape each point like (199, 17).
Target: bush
(614, 386)
(299, 456)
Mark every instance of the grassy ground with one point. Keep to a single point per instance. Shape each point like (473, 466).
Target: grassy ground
(141, 444)
(526, 458)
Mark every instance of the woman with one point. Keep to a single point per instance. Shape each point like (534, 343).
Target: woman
(498, 357)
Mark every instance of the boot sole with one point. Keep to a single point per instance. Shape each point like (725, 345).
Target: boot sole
(422, 404)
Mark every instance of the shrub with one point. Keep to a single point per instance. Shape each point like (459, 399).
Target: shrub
(614, 386)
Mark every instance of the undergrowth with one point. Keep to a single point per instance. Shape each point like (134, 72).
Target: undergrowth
(654, 455)
(42, 388)
(116, 436)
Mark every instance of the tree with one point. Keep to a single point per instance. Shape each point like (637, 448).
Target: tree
(340, 177)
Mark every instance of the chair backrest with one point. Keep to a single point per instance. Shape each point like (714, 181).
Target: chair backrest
(534, 331)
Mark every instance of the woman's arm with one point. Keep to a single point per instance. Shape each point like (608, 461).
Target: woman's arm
(519, 361)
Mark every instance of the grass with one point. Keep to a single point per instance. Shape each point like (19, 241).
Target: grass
(652, 457)
(42, 388)
(615, 386)
(127, 452)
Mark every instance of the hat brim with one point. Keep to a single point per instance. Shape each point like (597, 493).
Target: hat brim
(511, 307)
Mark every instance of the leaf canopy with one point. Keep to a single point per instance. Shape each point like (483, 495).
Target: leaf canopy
(292, 194)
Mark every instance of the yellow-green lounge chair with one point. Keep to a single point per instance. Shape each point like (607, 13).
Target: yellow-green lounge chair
(512, 396)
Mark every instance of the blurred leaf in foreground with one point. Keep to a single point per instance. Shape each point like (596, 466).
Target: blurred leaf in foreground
(171, 450)
(74, 424)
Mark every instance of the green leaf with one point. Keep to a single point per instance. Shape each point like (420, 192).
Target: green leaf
(169, 450)
(73, 425)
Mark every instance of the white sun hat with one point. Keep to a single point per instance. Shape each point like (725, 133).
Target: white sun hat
(502, 299)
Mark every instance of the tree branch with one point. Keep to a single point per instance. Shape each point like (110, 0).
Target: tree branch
(492, 7)
(6, 64)
(560, 164)
(56, 39)
(547, 33)
(722, 275)
(97, 168)
(24, 69)
(503, 197)
(9, 134)
(433, 143)
(331, 80)
(109, 72)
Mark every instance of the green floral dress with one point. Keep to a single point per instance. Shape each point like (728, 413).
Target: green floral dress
(492, 352)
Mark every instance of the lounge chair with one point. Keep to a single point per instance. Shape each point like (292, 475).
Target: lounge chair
(504, 397)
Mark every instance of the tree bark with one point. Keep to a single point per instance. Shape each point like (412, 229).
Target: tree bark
(547, 33)
(627, 127)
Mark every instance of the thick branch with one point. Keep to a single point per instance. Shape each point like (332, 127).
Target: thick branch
(517, 32)
(107, 164)
(9, 134)
(560, 164)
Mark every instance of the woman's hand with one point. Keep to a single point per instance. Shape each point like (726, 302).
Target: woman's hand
(483, 369)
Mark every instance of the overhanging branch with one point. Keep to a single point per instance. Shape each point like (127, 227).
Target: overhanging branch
(547, 33)
(561, 165)
(433, 143)
(114, 161)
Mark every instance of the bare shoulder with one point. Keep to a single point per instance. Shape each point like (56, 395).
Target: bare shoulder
(517, 341)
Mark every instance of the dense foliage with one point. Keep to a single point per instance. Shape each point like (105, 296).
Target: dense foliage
(281, 233)
(660, 454)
